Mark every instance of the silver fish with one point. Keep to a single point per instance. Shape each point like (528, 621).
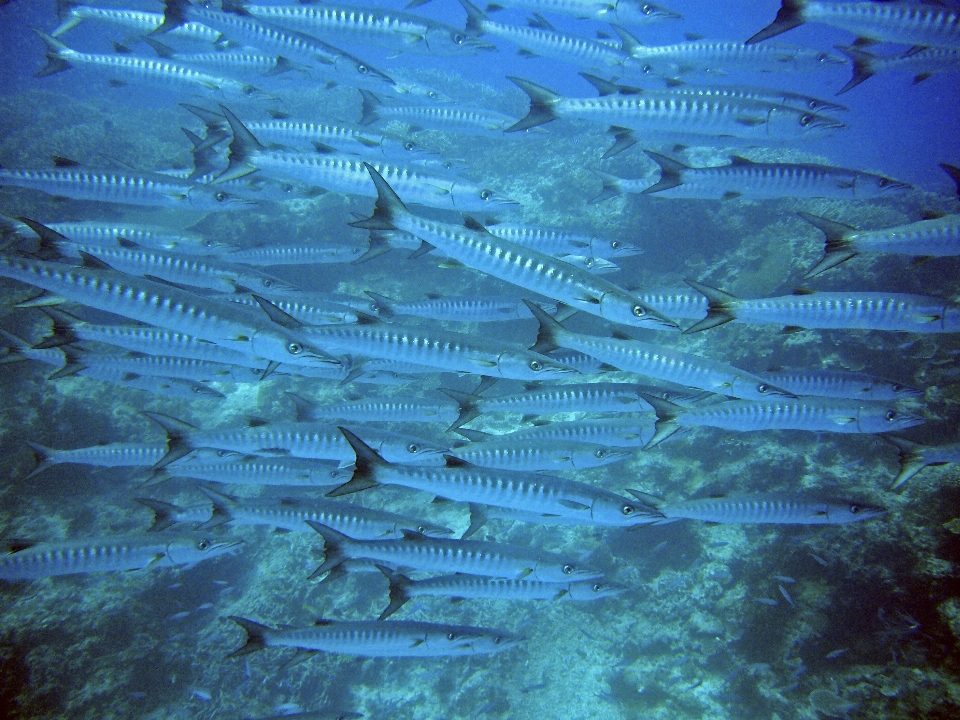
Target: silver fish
(457, 309)
(454, 118)
(132, 454)
(378, 639)
(921, 64)
(914, 457)
(765, 509)
(375, 410)
(257, 471)
(559, 241)
(75, 557)
(840, 384)
(72, 14)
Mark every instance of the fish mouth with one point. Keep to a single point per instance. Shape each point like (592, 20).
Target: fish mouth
(897, 185)
(823, 123)
(223, 546)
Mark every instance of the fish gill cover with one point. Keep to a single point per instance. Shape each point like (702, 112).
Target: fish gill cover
(172, 458)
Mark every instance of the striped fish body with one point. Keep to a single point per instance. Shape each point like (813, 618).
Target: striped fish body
(260, 471)
(786, 98)
(843, 311)
(518, 455)
(458, 309)
(617, 432)
(342, 138)
(475, 588)
(150, 190)
(441, 349)
(897, 22)
(449, 556)
(390, 28)
(158, 238)
(445, 118)
(722, 56)
(297, 255)
(354, 521)
(750, 180)
(779, 511)
(161, 366)
(664, 113)
(306, 310)
(383, 410)
(166, 386)
(849, 385)
(134, 454)
(164, 306)
(810, 414)
(379, 638)
(557, 241)
(142, 23)
(921, 64)
(80, 557)
(915, 457)
(681, 304)
(566, 398)
(628, 12)
(243, 63)
(534, 271)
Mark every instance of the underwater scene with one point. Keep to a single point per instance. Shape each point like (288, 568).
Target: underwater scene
(444, 360)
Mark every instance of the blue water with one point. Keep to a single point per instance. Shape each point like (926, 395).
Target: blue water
(704, 630)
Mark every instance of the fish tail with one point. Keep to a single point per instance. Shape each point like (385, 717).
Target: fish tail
(475, 18)
(389, 207)
(623, 138)
(467, 403)
(174, 15)
(56, 62)
(954, 172)
(177, 431)
(611, 187)
(670, 172)
(667, 413)
(548, 337)
(17, 347)
(542, 101)
(306, 410)
(68, 20)
(243, 147)
(223, 508)
(384, 304)
(164, 513)
(333, 542)
(721, 307)
(788, 17)
(365, 466)
(62, 329)
(910, 461)
(256, 636)
(369, 111)
(837, 243)
(44, 457)
(478, 518)
(863, 68)
(399, 593)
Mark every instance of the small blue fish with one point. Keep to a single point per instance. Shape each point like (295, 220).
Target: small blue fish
(766, 601)
(786, 595)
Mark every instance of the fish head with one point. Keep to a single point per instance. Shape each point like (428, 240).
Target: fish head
(593, 590)
(619, 511)
(846, 512)
(868, 185)
(805, 124)
(627, 310)
(267, 284)
(563, 570)
(469, 197)
(363, 73)
(197, 245)
(281, 345)
(614, 248)
(885, 418)
(526, 365)
(595, 456)
(639, 12)
(404, 149)
(749, 387)
(206, 198)
(464, 640)
(188, 551)
(806, 60)
(451, 41)
(595, 265)
(409, 450)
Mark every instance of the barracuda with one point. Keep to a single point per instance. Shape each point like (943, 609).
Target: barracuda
(147, 189)
(239, 62)
(156, 366)
(558, 241)
(750, 180)
(776, 510)
(921, 64)
(403, 589)
(810, 414)
(534, 271)
(939, 237)
(392, 28)
(80, 557)
(375, 410)
(897, 22)
(272, 255)
(309, 311)
(440, 555)
(628, 432)
(457, 309)
(125, 68)
(681, 304)
(105, 233)
(655, 361)
(260, 472)
(628, 12)
(446, 119)
(136, 454)
(347, 174)
(167, 307)
(586, 397)
(540, 38)
(378, 639)
(72, 14)
(502, 452)
(315, 441)
(240, 25)
(536, 494)
(665, 113)
(836, 384)
(899, 312)
(914, 457)
(356, 522)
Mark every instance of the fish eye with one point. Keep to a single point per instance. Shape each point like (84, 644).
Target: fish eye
(363, 69)
(615, 244)
(884, 182)
(597, 587)
(485, 194)
(208, 243)
(220, 196)
(197, 389)
(203, 545)
(413, 448)
(639, 311)
(567, 569)
(855, 509)
(892, 415)
(822, 57)
(409, 145)
(458, 38)
(601, 453)
(806, 119)
(451, 636)
(535, 365)
(588, 262)
(627, 510)
(813, 104)
(249, 90)
(294, 348)
(268, 283)
(497, 640)
(763, 388)
(647, 10)
(897, 387)
(647, 69)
